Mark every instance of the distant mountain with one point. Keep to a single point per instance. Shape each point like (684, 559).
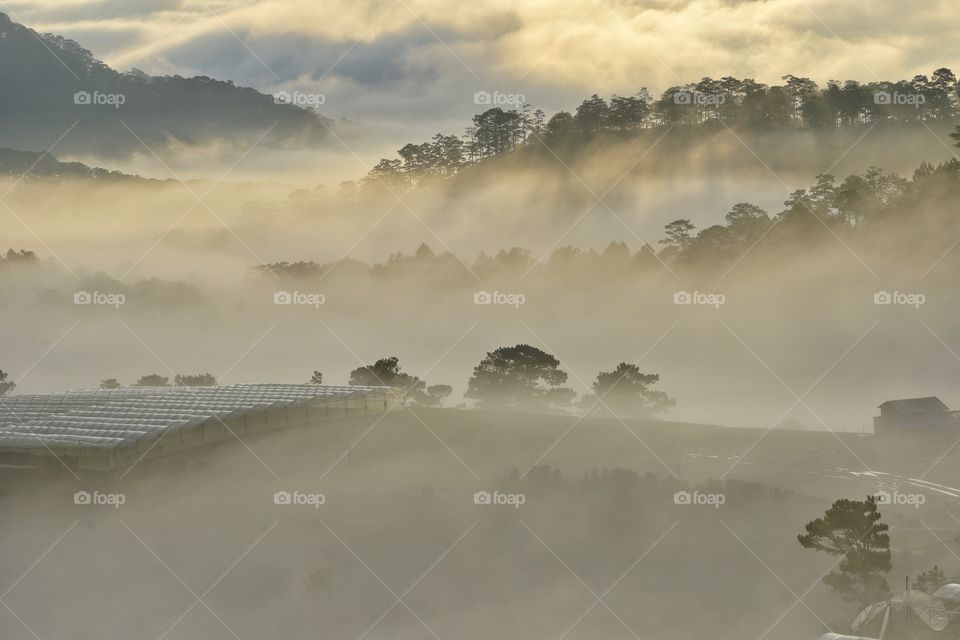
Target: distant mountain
(48, 83)
(34, 164)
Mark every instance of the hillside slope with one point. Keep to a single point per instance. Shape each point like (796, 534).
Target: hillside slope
(48, 83)
(36, 164)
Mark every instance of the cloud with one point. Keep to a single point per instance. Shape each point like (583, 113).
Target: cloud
(406, 70)
(383, 62)
(603, 46)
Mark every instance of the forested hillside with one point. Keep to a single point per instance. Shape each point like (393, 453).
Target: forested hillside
(49, 84)
(700, 110)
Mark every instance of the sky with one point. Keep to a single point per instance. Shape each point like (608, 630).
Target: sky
(402, 70)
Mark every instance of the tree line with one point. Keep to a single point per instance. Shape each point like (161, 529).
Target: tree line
(870, 206)
(520, 377)
(861, 205)
(15, 258)
(525, 378)
(149, 380)
(798, 103)
(159, 380)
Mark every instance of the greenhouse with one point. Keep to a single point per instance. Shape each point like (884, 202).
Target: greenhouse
(107, 429)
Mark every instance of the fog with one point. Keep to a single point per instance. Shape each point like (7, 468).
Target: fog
(776, 370)
(615, 363)
(594, 543)
(797, 342)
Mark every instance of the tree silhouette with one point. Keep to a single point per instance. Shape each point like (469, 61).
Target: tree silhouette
(626, 391)
(930, 580)
(495, 132)
(852, 530)
(592, 116)
(746, 221)
(195, 380)
(560, 125)
(519, 377)
(628, 113)
(109, 383)
(434, 395)
(316, 378)
(386, 371)
(679, 234)
(153, 380)
(6, 387)
(14, 258)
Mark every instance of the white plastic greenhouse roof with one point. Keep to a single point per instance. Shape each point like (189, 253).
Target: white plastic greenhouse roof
(121, 417)
(949, 592)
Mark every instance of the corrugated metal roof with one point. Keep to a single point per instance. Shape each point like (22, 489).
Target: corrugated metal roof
(120, 417)
(930, 404)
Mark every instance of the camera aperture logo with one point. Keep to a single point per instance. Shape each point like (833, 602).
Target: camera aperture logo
(299, 298)
(299, 99)
(499, 298)
(688, 98)
(299, 499)
(698, 297)
(99, 298)
(915, 500)
(97, 499)
(899, 298)
(496, 99)
(895, 98)
(696, 498)
(514, 500)
(85, 98)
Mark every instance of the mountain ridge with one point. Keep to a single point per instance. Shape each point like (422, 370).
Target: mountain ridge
(49, 83)
(42, 164)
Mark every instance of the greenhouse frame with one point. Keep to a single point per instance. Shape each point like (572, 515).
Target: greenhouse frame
(115, 428)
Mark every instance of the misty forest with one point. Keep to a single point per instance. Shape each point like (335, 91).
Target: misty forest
(360, 320)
